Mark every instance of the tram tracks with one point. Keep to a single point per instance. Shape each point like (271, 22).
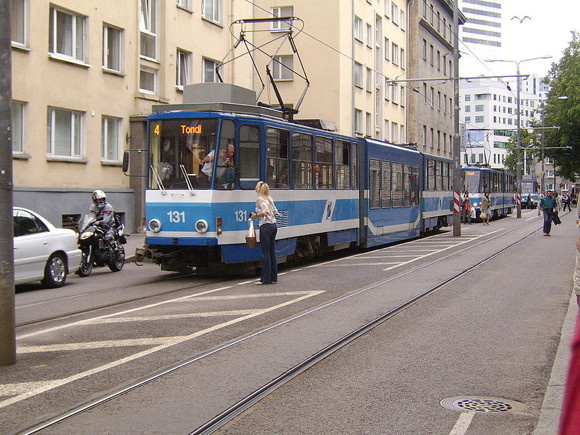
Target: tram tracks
(251, 399)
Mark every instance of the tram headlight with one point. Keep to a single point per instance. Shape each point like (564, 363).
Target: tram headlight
(155, 225)
(475, 204)
(201, 226)
(218, 225)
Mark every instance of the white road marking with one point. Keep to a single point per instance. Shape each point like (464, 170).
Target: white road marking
(168, 342)
(462, 424)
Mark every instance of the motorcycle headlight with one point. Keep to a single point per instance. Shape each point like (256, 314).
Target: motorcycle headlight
(87, 235)
(155, 225)
(201, 226)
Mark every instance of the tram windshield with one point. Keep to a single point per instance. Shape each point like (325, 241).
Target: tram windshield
(471, 181)
(186, 154)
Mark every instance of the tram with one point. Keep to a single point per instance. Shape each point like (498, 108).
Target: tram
(530, 193)
(333, 191)
(500, 185)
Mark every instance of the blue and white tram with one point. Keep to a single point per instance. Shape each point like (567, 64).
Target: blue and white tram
(499, 184)
(437, 193)
(332, 191)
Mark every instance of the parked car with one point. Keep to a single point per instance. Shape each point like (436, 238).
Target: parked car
(42, 252)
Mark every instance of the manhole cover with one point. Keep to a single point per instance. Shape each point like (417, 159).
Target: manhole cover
(480, 404)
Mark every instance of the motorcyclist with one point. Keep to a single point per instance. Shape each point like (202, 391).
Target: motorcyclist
(103, 213)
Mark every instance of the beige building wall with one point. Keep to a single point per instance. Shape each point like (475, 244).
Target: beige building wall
(329, 51)
(60, 187)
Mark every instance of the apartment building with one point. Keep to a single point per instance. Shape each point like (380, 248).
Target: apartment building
(431, 105)
(488, 110)
(85, 74)
(349, 50)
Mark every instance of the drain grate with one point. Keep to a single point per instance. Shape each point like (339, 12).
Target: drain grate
(480, 404)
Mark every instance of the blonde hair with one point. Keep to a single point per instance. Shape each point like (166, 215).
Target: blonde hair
(263, 189)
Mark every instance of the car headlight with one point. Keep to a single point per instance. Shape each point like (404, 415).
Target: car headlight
(201, 226)
(155, 225)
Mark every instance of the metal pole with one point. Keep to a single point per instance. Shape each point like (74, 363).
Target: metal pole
(7, 316)
(519, 142)
(542, 187)
(456, 139)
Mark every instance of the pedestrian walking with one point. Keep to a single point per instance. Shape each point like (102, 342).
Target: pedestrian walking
(466, 209)
(266, 211)
(566, 200)
(485, 208)
(548, 205)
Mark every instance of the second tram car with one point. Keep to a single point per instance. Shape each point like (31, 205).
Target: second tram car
(499, 184)
(332, 191)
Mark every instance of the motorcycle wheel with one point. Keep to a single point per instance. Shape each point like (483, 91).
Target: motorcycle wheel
(86, 265)
(118, 261)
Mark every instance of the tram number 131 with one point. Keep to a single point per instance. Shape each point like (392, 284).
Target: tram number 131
(176, 217)
(241, 215)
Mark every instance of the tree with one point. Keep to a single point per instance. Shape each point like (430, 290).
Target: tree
(511, 158)
(563, 110)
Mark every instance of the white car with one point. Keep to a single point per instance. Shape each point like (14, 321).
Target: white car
(42, 252)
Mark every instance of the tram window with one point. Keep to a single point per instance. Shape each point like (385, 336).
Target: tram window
(353, 166)
(386, 185)
(397, 184)
(430, 174)
(375, 183)
(471, 181)
(438, 175)
(323, 168)
(342, 162)
(277, 158)
(177, 149)
(302, 160)
(411, 186)
(225, 170)
(446, 185)
(249, 156)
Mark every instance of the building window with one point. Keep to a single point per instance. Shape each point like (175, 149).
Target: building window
(211, 10)
(369, 80)
(148, 80)
(19, 22)
(394, 132)
(183, 70)
(479, 107)
(395, 13)
(110, 139)
(358, 29)
(480, 119)
(67, 34)
(64, 133)
(282, 67)
(286, 11)
(18, 120)
(402, 60)
(387, 49)
(209, 71)
(369, 35)
(358, 80)
(148, 27)
(386, 138)
(395, 54)
(112, 48)
(369, 124)
(185, 4)
(358, 121)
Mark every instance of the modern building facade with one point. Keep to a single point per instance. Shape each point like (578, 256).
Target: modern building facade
(488, 110)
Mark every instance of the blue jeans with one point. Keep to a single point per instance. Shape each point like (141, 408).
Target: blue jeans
(268, 245)
(548, 214)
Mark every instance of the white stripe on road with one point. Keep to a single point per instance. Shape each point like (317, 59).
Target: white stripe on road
(462, 424)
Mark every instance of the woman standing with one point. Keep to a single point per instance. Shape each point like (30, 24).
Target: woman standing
(486, 208)
(266, 211)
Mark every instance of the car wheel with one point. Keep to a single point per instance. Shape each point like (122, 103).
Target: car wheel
(55, 271)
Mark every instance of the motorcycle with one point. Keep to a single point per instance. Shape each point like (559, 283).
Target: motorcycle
(100, 247)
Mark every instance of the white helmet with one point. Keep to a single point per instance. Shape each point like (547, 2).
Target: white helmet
(99, 198)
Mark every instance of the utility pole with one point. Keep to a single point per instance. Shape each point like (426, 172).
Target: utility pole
(7, 334)
(456, 138)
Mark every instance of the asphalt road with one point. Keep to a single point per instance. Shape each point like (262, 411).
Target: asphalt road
(492, 332)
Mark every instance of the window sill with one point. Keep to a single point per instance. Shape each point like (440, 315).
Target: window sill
(151, 97)
(210, 21)
(66, 159)
(20, 155)
(21, 47)
(111, 163)
(66, 59)
(113, 72)
(183, 8)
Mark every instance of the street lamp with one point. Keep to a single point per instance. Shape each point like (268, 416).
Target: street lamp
(518, 128)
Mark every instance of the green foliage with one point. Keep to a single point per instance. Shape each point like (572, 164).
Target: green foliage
(564, 79)
(531, 154)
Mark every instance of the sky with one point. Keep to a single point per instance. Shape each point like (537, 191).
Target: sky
(546, 33)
